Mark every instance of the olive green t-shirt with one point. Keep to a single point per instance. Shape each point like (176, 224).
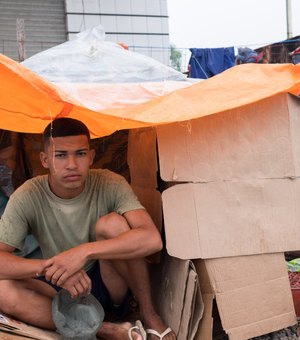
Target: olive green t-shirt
(60, 224)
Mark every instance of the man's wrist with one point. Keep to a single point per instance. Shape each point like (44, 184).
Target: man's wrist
(40, 268)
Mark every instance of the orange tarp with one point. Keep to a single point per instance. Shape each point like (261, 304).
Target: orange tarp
(28, 103)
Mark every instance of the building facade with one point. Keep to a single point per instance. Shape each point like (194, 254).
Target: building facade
(30, 26)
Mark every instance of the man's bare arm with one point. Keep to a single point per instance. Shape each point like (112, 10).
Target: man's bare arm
(15, 267)
(141, 240)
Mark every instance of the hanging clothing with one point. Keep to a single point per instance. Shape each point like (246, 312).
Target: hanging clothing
(207, 62)
(246, 55)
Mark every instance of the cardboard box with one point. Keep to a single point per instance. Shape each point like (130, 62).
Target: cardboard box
(261, 140)
(253, 295)
(232, 218)
(238, 212)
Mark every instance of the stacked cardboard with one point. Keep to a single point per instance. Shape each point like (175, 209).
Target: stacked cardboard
(233, 207)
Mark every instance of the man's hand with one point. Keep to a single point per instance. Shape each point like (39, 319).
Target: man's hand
(64, 265)
(78, 284)
(42, 266)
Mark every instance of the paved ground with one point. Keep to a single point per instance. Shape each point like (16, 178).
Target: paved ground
(290, 333)
(284, 334)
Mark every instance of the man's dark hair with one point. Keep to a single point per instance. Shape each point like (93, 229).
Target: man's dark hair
(64, 127)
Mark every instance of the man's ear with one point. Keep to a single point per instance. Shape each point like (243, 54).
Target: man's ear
(92, 156)
(44, 160)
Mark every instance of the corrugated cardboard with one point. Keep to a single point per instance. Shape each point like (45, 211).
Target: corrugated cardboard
(232, 218)
(239, 211)
(252, 293)
(193, 307)
(177, 296)
(205, 330)
(9, 336)
(9, 326)
(261, 140)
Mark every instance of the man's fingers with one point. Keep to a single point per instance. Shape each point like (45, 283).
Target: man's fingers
(62, 279)
(48, 274)
(80, 281)
(87, 283)
(78, 289)
(54, 275)
(49, 263)
(83, 285)
(73, 291)
(79, 284)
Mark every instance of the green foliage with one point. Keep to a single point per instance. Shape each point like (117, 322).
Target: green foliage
(175, 58)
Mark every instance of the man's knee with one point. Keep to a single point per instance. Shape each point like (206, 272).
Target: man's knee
(110, 226)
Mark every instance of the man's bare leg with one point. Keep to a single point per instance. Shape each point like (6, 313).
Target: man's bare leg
(129, 273)
(28, 300)
(31, 301)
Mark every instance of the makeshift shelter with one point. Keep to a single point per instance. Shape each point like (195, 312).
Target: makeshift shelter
(279, 52)
(219, 160)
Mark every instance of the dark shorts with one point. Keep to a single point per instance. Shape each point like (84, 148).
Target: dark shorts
(99, 290)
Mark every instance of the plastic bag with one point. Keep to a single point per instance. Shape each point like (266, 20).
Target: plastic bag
(90, 59)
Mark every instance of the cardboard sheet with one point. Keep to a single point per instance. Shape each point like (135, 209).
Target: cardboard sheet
(178, 297)
(205, 330)
(10, 326)
(252, 292)
(232, 218)
(261, 140)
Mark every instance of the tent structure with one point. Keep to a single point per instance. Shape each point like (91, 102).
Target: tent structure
(29, 101)
(255, 95)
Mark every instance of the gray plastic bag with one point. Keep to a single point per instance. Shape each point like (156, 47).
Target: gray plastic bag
(77, 319)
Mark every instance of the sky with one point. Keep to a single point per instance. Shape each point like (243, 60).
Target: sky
(226, 23)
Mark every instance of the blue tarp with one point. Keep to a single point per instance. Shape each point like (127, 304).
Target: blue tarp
(207, 62)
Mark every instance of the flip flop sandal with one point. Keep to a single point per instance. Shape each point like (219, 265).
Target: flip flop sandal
(160, 336)
(138, 328)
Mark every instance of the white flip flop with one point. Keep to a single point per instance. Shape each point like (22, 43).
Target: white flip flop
(160, 336)
(138, 328)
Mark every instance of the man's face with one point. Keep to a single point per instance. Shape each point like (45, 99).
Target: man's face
(68, 160)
